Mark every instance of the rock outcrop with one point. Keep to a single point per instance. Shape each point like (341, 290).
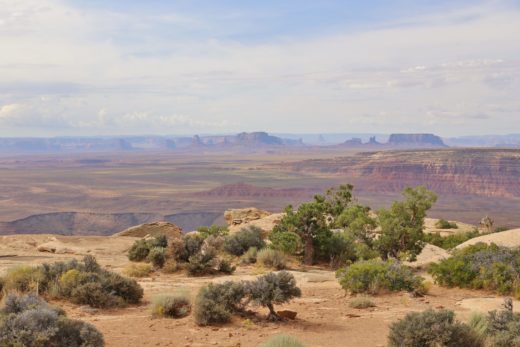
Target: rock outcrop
(152, 229)
(426, 140)
(244, 215)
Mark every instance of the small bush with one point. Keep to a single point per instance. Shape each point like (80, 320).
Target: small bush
(480, 266)
(157, 256)
(478, 322)
(217, 302)
(138, 270)
(192, 245)
(503, 327)
(30, 321)
(374, 276)
(271, 258)
(225, 266)
(450, 241)
(444, 224)
(139, 251)
(238, 243)
(432, 328)
(170, 266)
(171, 305)
(249, 257)
(361, 303)
(286, 241)
(24, 279)
(201, 263)
(214, 230)
(273, 288)
(282, 341)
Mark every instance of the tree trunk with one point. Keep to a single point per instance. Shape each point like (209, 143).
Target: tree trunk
(272, 316)
(308, 258)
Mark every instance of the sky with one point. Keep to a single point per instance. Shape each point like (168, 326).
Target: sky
(113, 67)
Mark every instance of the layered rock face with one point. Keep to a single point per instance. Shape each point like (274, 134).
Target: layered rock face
(416, 139)
(488, 172)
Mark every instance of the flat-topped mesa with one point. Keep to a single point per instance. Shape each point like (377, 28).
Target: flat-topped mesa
(427, 140)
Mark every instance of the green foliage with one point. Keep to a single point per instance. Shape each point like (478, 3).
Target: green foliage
(341, 249)
(361, 303)
(157, 256)
(480, 266)
(176, 305)
(213, 230)
(80, 282)
(374, 276)
(478, 323)
(402, 225)
(271, 258)
(450, 241)
(225, 266)
(217, 302)
(503, 327)
(287, 242)
(282, 341)
(192, 245)
(249, 257)
(444, 224)
(273, 288)
(432, 328)
(141, 248)
(358, 221)
(201, 263)
(239, 242)
(30, 321)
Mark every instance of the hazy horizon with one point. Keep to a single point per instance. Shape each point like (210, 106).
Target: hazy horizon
(91, 68)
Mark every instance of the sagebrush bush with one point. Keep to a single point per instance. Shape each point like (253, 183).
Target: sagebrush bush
(361, 303)
(139, 251)
(238, 243)
(213, 230)
(432, 328)
(249, 257)
(170, 266)
(138, 270)
(176, 305)
(480, 266)
(157, 256)
(273, 288)
(202, 263)
(217, 302)
(282, 341)
(503, 327)
(192, 245)
(444, 224)
(375, 276)
(271, 258)
(30, 321)
(225, 266)
(80, 282)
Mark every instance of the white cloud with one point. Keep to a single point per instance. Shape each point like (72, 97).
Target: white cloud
(75, 70)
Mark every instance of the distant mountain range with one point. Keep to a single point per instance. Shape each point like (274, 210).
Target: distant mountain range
(249, 141)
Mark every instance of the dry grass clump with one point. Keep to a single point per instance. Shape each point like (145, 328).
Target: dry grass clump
(271, 258)
(361, 303)
(138, 270)
(176, 305)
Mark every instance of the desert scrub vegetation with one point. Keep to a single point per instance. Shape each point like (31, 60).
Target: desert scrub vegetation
(138, 270)
(361, 303)
(239, 242)
(27, 320)
(450, 241)
(249, 257)
(141, 248)
(213, 230)
(376, 276)
(432, 328)
(271, 258)
(481, 266)
(175, 305)
(216, 303)
(444, 224)
(282, 341)
(81, 282)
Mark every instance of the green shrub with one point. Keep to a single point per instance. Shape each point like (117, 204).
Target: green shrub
(217, 302)
(192, 245)
(138, 270)
(480, 266)
(374, 276)
(225, 266)
(30, 321)
(432, 328)
(282, 341)
(24, 279)
(361, 303)
(286, 241)
(176, 305)
(450, 241)
(238, 243)
(341, 249)
(478, 323)
(503, 327)
(271, 258)
(273, 288)
(201, 263)
(139, 251)
(213, 230)
(444, 224)
(157, 256)
(249, 257)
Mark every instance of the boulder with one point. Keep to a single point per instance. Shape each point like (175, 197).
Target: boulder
(244, 215)
(287, 314)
